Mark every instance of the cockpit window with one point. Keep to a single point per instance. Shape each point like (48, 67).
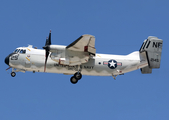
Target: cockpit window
(24, 51)
(15, 50)
(20, 51)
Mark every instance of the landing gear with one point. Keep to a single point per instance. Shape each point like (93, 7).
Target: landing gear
(73, 80)
(114, 76)
(77, 76)
(13, 74)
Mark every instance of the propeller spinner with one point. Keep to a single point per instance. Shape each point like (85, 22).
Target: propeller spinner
(47, 49)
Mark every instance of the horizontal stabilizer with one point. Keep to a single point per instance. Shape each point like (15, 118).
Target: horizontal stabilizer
(146, 70)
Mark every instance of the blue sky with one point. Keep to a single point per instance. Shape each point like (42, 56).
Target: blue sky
(120, 27)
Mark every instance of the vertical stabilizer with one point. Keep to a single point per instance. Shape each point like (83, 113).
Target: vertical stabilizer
(153, 48)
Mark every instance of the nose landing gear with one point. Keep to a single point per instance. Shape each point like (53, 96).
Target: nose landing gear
(13, 74)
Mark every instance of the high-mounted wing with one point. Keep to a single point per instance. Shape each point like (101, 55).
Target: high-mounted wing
(85, 43)
(78, 52)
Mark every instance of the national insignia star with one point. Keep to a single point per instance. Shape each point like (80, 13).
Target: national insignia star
(112, 63)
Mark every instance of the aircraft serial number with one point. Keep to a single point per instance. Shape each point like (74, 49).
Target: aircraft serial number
(154, 60)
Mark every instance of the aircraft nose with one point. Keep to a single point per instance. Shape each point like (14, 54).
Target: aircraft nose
(7, 60)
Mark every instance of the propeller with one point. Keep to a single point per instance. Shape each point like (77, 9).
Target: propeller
(47, 49)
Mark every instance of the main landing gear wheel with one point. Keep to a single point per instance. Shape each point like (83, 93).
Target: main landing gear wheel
(73, 80)
(13, 74)
(77, 76)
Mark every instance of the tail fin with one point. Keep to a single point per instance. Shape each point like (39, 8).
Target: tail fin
(153, 48)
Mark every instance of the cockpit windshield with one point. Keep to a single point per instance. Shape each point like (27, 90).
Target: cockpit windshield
(23, 51)
(16, 51)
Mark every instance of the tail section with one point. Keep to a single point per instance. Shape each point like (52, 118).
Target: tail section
(153, 48)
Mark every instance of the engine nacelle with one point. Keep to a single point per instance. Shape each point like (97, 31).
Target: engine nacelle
(67, 57)
(56, 48)
(58, 52)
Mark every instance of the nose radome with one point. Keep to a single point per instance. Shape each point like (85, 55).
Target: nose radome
(7, 60)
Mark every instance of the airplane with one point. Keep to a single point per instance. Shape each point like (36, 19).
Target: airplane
(80, 58)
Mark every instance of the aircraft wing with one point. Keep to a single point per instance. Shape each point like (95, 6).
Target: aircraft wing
(85, 43)
(80, 50)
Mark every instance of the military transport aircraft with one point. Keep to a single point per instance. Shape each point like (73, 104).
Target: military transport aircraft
(80, 58)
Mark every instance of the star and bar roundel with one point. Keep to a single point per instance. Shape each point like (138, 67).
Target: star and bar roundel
(112, 64)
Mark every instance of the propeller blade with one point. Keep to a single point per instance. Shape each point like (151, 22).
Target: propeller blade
(47, 54)
(47, 49)
(48, 40)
